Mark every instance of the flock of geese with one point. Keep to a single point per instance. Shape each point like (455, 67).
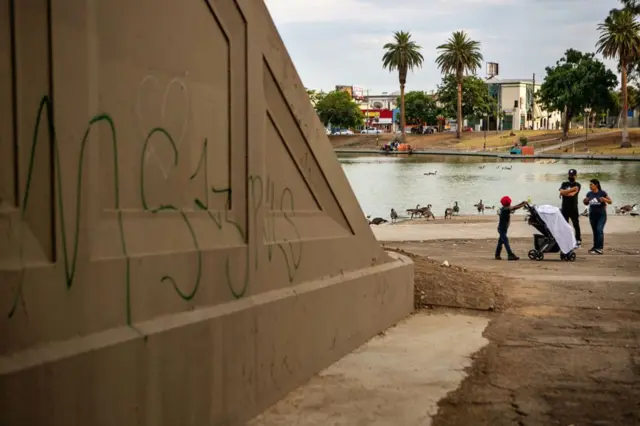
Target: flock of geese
(426, 212)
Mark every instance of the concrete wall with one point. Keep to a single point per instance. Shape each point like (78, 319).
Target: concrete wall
(178, 243)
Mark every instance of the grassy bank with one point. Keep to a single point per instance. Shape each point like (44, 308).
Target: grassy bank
(605, 145)
(471, 141)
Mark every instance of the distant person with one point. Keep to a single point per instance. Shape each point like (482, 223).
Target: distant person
(597, 200)
(503, 226)
(569, 191)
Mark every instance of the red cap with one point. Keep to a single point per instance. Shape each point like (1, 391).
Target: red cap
(505, 201)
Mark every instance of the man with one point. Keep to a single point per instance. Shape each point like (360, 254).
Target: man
(569, 191)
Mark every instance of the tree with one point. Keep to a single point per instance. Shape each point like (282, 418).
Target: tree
(476, 100)
(338, 109)
(458, 56)
(419, 108)
(576, 81)
(403, 55)
(315, 96)
(620, 39)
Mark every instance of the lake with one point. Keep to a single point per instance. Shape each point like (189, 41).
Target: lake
(381, 182)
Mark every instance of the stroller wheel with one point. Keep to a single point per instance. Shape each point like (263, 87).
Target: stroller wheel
(563, 257)
(533, 254)
(571, 257)
(540, 256)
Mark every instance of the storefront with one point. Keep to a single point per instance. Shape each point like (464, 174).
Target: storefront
(379, 118)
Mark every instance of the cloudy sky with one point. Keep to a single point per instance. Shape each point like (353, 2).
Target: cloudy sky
(340, 41)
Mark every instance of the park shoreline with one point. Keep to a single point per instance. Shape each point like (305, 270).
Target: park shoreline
(502, 156)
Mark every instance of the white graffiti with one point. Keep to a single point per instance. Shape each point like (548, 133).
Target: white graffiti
(145, 126)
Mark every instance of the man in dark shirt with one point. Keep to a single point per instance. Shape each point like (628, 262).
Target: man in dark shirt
(503, 226)
(569, 191)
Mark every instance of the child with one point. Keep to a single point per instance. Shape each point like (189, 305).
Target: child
(503, 226)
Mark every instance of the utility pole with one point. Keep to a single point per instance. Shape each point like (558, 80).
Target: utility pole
(533, 103)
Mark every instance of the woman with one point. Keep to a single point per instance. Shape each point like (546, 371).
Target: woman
(597, 200)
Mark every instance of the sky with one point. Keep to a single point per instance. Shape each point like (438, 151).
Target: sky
(339, 42)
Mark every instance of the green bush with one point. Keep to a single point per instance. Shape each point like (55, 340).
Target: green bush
(524, 141)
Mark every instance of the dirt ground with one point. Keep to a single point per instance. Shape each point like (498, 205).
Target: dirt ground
(564, 340)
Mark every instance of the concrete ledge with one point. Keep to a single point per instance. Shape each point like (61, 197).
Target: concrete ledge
(493, 154)
(218, 365)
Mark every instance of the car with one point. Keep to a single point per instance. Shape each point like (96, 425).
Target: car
(370, 131)
(343, 132)
(429, 130)
(467, 129)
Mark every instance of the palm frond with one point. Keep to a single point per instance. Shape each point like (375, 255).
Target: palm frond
(403, 55)
(619, 36)
(459, 55)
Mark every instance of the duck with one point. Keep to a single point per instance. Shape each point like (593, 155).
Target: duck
(456, 208)
(377, 221)
(393, 215)
(480, 207)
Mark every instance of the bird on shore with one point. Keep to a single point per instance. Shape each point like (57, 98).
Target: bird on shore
(490, 207)
(627, 208)
(480, 207)
(431, 173)
(426, 212)
(394, 216)
(456, 208)
(414, 212)
(377, 221)
(448, 213)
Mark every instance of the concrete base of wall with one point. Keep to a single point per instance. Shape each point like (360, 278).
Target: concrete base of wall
(215, 366)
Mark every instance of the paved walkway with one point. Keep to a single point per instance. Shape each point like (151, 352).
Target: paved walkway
(395, 379)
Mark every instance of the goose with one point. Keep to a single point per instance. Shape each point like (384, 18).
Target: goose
(414, 212)
(628, 208)
(507, 167)
(448, 213)
(480, 207)
(431, 173)
(377, 221)
(490, 207)
(585, 213)
(426, 212)
(394, 216)
(634, 214)
(456, 208)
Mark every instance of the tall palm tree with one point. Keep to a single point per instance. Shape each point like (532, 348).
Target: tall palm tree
(459, 55)
(403, 55)
(620, 39)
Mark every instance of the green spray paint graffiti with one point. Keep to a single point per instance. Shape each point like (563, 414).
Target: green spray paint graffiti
(70, 262)
(255, 185)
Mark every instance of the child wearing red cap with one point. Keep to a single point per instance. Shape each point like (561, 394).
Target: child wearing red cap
(503, 227)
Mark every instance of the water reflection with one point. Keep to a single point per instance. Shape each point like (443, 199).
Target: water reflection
(382, 182)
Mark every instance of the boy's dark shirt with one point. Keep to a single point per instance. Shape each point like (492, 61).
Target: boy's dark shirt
(599, 207)
(505, 218)
(570, 203)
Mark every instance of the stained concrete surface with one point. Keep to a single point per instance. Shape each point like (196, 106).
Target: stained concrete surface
(395, 379)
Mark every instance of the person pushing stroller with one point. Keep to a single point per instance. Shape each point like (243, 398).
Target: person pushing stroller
(503, 226)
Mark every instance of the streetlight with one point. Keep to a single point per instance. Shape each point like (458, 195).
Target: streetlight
(587, 113)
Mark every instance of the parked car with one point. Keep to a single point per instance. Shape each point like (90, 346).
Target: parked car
(467, 129)
(343, 132)
(370, 131)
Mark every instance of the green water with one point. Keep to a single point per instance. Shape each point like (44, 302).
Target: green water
(382, 182)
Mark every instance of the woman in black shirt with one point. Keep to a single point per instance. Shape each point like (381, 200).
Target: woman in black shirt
(597, 200)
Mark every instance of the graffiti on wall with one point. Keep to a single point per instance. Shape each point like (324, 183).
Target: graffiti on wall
(262, 194)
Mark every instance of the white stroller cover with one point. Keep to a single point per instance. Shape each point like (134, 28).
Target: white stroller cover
(560, 229)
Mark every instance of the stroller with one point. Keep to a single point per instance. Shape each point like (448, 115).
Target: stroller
(545, 242)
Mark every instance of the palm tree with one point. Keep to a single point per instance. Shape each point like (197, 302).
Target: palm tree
(458, 56)
(403, 55)
(620, 39)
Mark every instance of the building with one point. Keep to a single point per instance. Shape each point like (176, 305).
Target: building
(515, 102)
(384, 101)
